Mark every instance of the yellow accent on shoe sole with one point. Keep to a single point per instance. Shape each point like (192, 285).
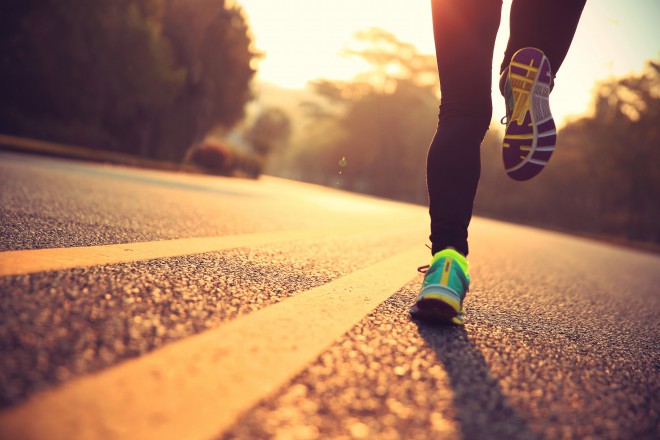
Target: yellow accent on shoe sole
(520, 136)
(529, 66)
(446, 270)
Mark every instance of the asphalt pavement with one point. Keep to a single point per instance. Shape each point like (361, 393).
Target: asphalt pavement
(561, 339)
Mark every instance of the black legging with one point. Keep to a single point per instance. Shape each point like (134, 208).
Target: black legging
(465, 33)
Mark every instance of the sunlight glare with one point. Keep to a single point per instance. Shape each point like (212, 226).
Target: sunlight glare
(303, 40)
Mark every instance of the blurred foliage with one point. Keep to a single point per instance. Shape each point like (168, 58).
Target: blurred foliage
(270, 132)
(211, 41)
(217, 157)
(381, 123)
(136, 76)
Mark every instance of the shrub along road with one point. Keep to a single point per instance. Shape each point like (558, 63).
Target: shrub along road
(145, 304)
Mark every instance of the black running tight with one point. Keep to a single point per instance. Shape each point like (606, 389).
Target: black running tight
(465, 33)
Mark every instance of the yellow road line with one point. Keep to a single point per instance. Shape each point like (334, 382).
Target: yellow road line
(42, 260)
(197, 387)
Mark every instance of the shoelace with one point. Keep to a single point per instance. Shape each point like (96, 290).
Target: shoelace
(423, 269)
(504, 120)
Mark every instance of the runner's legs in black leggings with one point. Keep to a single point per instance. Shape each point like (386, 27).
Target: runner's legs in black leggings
(465, 32)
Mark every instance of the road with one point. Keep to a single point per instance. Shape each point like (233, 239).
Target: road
(146, 304)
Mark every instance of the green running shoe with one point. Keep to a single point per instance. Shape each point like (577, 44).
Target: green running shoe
(445, 285)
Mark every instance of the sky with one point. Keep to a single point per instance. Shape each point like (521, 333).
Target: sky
(302, 40)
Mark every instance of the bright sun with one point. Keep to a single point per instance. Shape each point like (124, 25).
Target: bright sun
(302, 38)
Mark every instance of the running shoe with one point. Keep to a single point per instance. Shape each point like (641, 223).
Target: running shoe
(446, 283)
(530, 135)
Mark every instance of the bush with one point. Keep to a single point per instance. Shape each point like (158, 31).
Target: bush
(218, 158)
(211, 155)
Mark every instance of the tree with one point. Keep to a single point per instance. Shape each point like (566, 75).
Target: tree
(381, 123)
(211, 42)
(625, 126)
(90, 73)
(137, 76)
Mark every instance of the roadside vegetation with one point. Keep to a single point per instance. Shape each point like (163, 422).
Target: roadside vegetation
(144, 77)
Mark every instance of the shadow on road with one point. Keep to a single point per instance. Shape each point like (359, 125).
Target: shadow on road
(482, 410)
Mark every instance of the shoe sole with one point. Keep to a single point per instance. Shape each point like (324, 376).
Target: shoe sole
(441, 307)
(531, 134)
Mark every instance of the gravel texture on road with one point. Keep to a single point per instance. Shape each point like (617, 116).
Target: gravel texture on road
(518, 370)
(560, 342)
(45, 208)
(82, 320)
(561, 338)
(52, 203)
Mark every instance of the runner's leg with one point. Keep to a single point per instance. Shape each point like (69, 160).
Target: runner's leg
(543, 24)
(465, 32)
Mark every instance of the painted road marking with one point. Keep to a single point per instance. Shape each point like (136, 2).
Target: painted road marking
(197, 387)
(43, 260)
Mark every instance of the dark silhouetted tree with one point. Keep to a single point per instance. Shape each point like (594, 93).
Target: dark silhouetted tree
(211, 42)
(140, 76)
(91, 73)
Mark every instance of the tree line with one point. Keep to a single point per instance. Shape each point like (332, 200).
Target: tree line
(148, 77)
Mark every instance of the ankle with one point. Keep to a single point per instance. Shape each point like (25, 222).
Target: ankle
(455, 250)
